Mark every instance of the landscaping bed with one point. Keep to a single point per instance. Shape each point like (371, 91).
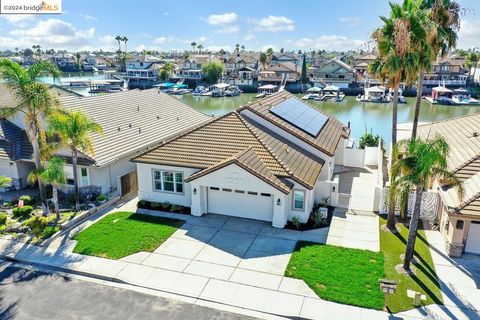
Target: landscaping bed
(124, 233)
(348, 276)
(425, 280)
(163, 206)
(315, 220)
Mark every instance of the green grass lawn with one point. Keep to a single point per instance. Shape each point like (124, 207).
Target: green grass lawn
(343, 275)
(123, 233)
(425, 280)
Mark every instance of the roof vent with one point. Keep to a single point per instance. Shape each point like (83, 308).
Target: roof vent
(475, 134)
(130, 125)
(138, 108)
(139, 130)
(118, 128)
(178, 119)
(158, 117)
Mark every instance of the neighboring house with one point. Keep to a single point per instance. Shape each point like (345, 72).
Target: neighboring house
(241, 69)
(65, 61)
(334, 72)
(270, 160)
(132, 121)
(459, 218)
(142, 73)
(360, 65)
(286, 58)
(191, 68)
(275, 72)
(447, 72)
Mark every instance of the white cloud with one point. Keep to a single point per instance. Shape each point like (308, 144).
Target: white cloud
(50, 33)
(166, 13)
(468, 36)
(229, 29)
(142, 47)
(222, 19)
(19, 20)
(326, 42)
(273, 24)
(266, 47)
(351, 21)
(108, 42)
(87, 17)
(249, 37)
(162, 40)
(218, 48)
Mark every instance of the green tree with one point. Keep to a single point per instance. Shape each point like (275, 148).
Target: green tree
(213, 70)
(263, 59)
(119, 39)
(193, 45)
(421, 162)
(269, 54)
(166, 70)
(34, 103)
(74, 130)
(5, 182)
(304, 76)
(243, 48)
(237, 48)
(200, 47)
(443, 23)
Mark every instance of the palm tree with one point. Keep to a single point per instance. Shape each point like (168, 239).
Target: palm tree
(193, 45)
(200, 47)
(237, 48)
(269, 54)
(34, 103)
(125, 40)
(119, 39)
(263, 59)
(74, 129)
(78, 57)
(444, 23)
(243, 48)
(420, 163)
(166, 70)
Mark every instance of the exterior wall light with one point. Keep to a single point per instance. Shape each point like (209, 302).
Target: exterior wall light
(194, 190)
(279, 203)
(333, 189)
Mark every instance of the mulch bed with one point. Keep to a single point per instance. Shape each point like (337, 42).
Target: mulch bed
(310, 224)
(164, 207)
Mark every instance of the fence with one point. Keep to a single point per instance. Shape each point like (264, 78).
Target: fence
(428, 208)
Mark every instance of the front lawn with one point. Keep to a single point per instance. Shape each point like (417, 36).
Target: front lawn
(124, 233)
(425, 280)
(338, 274)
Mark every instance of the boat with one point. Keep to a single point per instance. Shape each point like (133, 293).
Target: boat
(106, 86)
(311, 96)
(218, 90)
(375, 94)
(441, 95)
(266, 90)
(233, 91)
(332, 93)
(461, 97)
(199, 90)
(75, 83)
(401, 98)
(179, 89)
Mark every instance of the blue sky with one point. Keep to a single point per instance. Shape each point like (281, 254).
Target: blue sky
(167, 25)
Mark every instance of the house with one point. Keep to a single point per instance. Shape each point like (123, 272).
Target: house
(241, 69)
(191, 68)
(360, 64)
(270, 160)
(142, 73)
(459, 218)
(334, 72)
(284, 58)
(447, 72)
(276, 72)
(132, 122)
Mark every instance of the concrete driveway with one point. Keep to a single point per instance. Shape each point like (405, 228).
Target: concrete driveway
(231, 249)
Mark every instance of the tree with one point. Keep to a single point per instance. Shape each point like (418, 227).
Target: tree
(421, 162)
(243, 48)
(125, 40)
(200, 47)
(119, 39)
(443, 19)
(78, 58)
(304, 70)
(269, 54)
(213, 70)
(34, 103)
(74, 131)
(193, 45)
(166, 70)
(5, 181)
(473, 61)
(237, 48)
(263, 59)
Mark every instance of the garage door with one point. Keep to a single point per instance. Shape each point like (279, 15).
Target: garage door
(473, 240)
(240, 203)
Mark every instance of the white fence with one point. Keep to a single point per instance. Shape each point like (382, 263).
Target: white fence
(344, 200)
(428, 208)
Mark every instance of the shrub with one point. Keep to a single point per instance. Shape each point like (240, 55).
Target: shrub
(49, 231)
(3, 218)
(141, 203)
(166, 205)
(155, 204)
(37, 224)
(175, 208)
(319, 218)
(369, 140)
(22, 213)
(8, 204)
(296, 222)
(102, 197)
(27, 200)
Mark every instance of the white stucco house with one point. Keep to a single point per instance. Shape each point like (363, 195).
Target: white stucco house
(270, 160)
(132, 122)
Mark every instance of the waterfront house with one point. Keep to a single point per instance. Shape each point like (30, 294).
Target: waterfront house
(282, 58)
(269, 160)
(142, 73)
(360, 64)
(275, 73)
(191, 68)
(334, 72)
(447, 72)
(459, 219)
(241, 69)
(65, 61)
(132, 121)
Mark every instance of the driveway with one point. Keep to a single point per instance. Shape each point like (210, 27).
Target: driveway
(242, 251)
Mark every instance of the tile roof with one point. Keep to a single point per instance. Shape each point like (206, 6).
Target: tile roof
(14, 143)
(133, 120)
(326, 141)
(470, 203)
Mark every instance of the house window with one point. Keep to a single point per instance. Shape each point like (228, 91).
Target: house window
(298, 199)
(460, 224)
(168, 181)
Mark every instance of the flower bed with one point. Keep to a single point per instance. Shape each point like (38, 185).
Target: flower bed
(163, 206)
(315, 220)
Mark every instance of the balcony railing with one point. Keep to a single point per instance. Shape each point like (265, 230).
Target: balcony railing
(446, 82)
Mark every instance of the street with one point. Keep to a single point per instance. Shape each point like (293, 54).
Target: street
(30, 294)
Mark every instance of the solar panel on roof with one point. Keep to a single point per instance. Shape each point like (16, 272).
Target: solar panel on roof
(300, 115)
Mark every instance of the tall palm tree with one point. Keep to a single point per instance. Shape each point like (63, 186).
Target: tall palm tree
(420, 163)
(119, 39)
(193, 45)
(200, 47)
(125, 40)
(243, 48)
(263, 59)
(74, 130)
(443, 19)
(166, 70)
(269, 54)
(237, 48)
(34, 102)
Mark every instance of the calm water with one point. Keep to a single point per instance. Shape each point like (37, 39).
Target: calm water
(374, 116)
(362, 116)
(76, 76)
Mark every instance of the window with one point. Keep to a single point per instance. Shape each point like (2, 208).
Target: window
(214, 188)
(265, 194)
(168, 181)
(226, 190)
(252, 193)
(298, 199)
(460, 224)
(239, 191)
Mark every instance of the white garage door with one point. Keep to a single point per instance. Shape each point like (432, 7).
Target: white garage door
(240, 203)
(473, 240)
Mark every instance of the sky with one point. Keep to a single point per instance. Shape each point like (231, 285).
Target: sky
(173, 25)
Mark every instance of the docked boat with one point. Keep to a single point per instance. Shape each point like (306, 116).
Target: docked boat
(441, 95)
(266, 90)
(375, 94)
(179, 89)
(106, 86)
(461, 97)
(332, 93)
(313, 93)
(199, 91)
(219, 89)
(75, 83)
(233, 91)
